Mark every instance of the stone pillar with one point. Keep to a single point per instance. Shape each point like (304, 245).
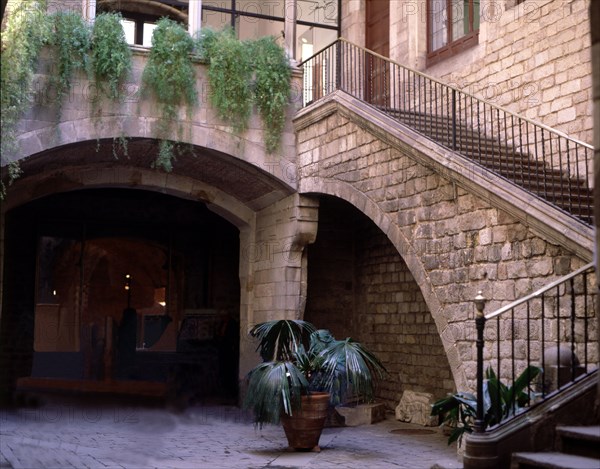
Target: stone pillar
(595, 31)
(276, 283)
(89, 10)
(289, 29)
(194, 17)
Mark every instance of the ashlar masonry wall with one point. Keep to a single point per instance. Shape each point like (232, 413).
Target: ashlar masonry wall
(453, 243)
(533, 58)
(360, 287)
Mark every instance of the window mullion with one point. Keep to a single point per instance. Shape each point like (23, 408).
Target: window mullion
(449, 35)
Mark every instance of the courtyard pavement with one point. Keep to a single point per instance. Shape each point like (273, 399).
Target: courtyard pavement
(67, 433)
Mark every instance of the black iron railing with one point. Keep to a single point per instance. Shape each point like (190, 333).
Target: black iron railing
(541, 160)
(554, 328)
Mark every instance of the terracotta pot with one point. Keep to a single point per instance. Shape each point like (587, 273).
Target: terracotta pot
(303, 428)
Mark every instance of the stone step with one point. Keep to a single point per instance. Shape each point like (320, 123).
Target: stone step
(553, 461)
(583, 441)
(504, 159)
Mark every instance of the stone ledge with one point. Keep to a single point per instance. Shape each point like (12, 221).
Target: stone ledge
(361, 414)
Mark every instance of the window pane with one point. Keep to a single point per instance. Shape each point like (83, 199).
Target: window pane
(322, 12)
(475, 15)
(460, 18)
(437, 25)
(226, 4)
(309, 38)
(129, 28)
(215, 20)
(252, 28)
(265, 7)
(148, 30)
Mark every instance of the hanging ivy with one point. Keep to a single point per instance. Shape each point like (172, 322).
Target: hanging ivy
(72, 42)
(272, 88)
(229, 75)
(27, 30)
(169, 75)
(111, 55)
(232, 66)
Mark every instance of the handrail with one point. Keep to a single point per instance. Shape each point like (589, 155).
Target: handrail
(439, 82)
(539, 292)
(543, 161)
(549, 329)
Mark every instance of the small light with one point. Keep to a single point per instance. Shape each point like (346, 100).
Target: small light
(162, 303)
(127, 276)
(54, 292)
(126, 287)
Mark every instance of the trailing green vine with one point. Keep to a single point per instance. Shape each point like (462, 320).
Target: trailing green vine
(27, 30)
(272, 88)
(232, 65)
(169, 75)
(229, 75)
(72, 42)
(111, 55)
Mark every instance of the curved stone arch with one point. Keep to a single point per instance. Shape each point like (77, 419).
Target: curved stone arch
(106, 176)
(247, 148)
(345, 191)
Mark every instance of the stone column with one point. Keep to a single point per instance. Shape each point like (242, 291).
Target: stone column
(595, 32)
(194, 17)
(276, 283)
(289, 29)
(89, 10)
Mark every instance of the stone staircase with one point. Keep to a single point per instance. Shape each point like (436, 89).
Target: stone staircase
(567, 193)
(578, 448)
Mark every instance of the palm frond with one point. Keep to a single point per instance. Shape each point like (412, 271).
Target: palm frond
(276, 387)
(354, 366)
(280, 338)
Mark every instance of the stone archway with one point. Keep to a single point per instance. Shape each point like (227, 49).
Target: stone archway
(403, 246)
(101, 252)
(359, 286)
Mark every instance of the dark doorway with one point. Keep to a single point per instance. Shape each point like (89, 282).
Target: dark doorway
(130, 289)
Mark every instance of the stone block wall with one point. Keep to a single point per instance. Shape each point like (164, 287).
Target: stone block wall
(532, 58)
(454, 243)
(360, 287)
(397, 323)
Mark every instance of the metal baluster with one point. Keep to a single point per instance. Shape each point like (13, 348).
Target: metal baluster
(558, 329)
(512, 351)
(479, 426)
(528, 351)
(572, 284)
(544, 371)
(454, 119)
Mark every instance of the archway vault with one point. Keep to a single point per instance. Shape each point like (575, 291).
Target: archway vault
(233, 188)
(348, 193)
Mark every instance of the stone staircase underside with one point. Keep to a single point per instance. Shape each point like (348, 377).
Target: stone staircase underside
(569, 194)
(536, 213)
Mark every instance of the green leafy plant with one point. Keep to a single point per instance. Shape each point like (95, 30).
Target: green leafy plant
(339, 367)
(272, 88)
(501, 402)
(72, 42)
(229, 75)
(111, 55)
(169, 75)
(27, 30)
(233, 64)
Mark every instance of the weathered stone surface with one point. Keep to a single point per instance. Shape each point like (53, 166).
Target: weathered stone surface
(361, 414)
(415, 407)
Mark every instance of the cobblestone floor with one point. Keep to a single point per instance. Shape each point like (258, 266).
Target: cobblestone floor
(71, 434)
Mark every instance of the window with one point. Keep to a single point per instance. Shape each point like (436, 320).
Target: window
(317, 21)
(453, 25)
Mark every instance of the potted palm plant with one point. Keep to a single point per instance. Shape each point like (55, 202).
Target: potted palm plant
(304, 371)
